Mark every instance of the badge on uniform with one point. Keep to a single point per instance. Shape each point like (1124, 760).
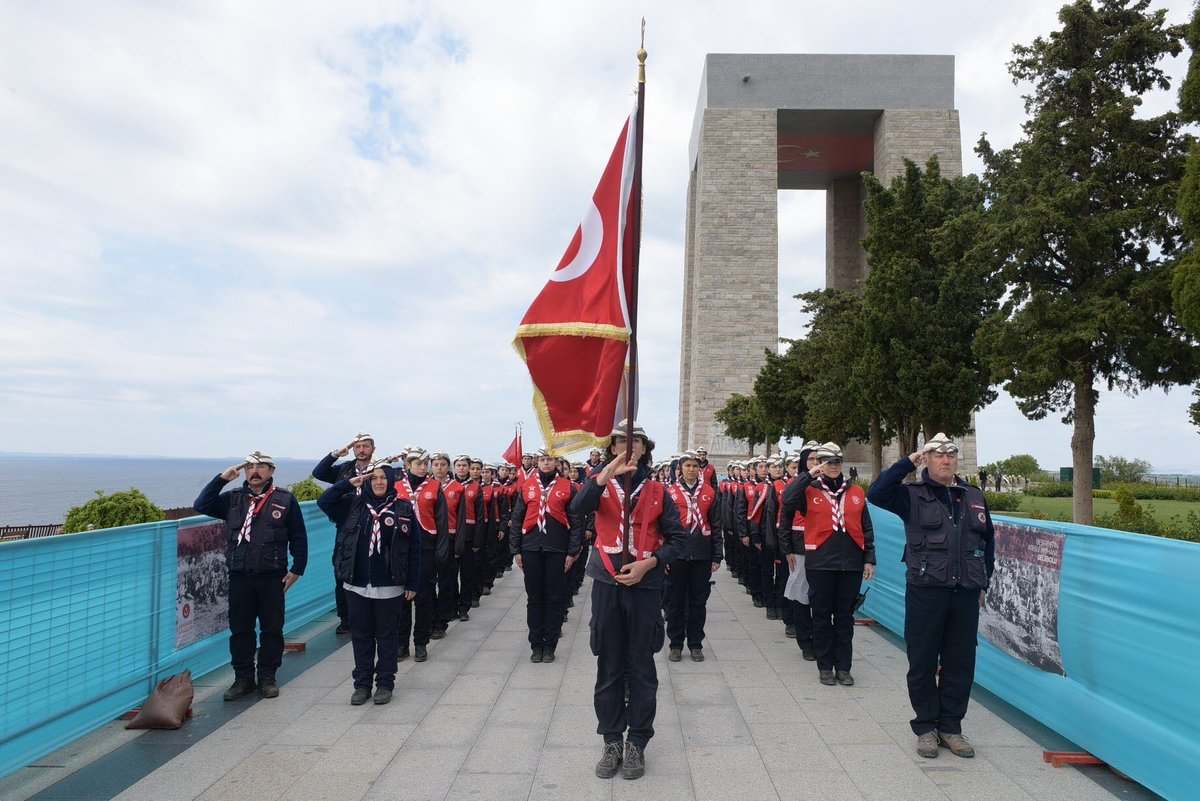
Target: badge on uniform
(428, 495)
(387, 521)
(982, 518)
(404, 527)
(857, 500)
(277, 514)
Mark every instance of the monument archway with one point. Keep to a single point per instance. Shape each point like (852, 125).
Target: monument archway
(770, 122)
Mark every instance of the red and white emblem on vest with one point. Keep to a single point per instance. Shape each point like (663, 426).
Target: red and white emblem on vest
(277, 514)
(428, 495)
(856, 500)
(389, 521)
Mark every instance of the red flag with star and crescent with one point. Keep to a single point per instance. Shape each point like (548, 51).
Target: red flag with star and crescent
(575, 337)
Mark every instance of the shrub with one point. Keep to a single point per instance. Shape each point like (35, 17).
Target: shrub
(1003, 501)
(109, 511)
(1050, 491)
(306, 489)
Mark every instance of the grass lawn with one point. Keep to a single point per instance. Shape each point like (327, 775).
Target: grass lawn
(1054, 508)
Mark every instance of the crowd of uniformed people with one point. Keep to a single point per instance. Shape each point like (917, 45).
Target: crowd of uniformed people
(422, 537)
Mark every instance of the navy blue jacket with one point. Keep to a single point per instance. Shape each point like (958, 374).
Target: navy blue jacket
(277, 528)
(398, 562)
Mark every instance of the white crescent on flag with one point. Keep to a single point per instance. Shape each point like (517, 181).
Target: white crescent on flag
(589, 236)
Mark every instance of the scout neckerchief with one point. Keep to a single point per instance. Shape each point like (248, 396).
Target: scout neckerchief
(544, 504)
(252, 510)
(357, 472)
(760, 498)
(626, 546)
(837, 502)
(375, 528)
(415, 494)
(693, 506)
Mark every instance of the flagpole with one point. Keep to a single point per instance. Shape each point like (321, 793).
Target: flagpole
(636, 223)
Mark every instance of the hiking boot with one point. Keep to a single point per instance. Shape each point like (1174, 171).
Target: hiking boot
(844, 678)
(827, 678)
(547, 655)
(772, 613)
(635, 762)
(697, 655)
(343, 628)
(402, 654)
(535, 655)
(474, 604)
(382, 696)
(464, 615)
(758, 604)
(240, 687)
(808, 655)
(438, 633)
(958, 744)
(675, 655)
(927, 745)
(421, 653)
(486, 591)
(268, 687)
(790, 631)
(606, 768)
(361, 694)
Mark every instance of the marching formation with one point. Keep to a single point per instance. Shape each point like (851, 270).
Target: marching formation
(422, 537)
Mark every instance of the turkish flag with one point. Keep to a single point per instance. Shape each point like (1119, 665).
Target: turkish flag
(575, 337)
(513, 454)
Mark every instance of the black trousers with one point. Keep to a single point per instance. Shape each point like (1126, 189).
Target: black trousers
(802, 620)
(255, 598)
(424, 604)
(446, 605)
(468, 579)
(626, 632)
(832, 594)
(546, 596)
(754, 577)
(687, 601)
(374, 634)
(774, 577)
(339, 600)
(940, 626)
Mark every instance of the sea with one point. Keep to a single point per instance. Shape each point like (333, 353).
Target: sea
(37, 489)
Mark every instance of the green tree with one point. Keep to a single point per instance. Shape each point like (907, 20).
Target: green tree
(923, 302)
(1185, 284)
(779, 391)
(109, 511)
(1082, 224)
(1020, 464)
(306, 489)
(743, 419)
(1119, 470)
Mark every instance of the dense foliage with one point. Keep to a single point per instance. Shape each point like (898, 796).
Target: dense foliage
(109, 511)
(307, 489)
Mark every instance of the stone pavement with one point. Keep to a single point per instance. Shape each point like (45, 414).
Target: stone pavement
(479, 721)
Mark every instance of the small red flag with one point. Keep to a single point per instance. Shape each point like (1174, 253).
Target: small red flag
(513, 454)
(575, 337)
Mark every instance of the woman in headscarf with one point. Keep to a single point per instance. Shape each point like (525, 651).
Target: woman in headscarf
(377, 559)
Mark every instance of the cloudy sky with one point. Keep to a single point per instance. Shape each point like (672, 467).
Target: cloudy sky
(231, 225)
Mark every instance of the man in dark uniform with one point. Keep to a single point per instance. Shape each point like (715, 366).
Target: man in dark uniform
(949, 552)
(627, 579)
(363, 446)
(264, 524)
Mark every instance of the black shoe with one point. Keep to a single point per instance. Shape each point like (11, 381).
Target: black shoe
(402, 654)
(607, 767)
(635, 762)
(464, 615)
(844, 678)
(772, 614)
(420, 653)
(361, 694)
(789, 630)
(697, 655)
(808, 655)
(676, 655)
(571, 602)
(485, 591)
(343, 628)
(437, 634)
(240, 687)
(536, 655)
(268, 687)
(827, 678)
(547, 655)
(475, 604)
(758, 604)
(382, 696)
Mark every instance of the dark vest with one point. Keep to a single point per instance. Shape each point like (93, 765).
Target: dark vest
(267, 550)
(389, 567)
(939, 553)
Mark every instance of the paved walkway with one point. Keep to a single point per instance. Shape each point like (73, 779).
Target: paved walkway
(479, 721)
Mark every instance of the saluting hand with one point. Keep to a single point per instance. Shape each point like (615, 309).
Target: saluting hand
(342, 451)
(231, 473)
(358, 481)
(617, 467)
(917, 458)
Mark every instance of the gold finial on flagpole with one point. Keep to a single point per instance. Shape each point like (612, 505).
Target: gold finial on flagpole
(641, 55)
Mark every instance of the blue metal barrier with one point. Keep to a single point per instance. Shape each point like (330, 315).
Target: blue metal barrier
(1129, 639)
(87, 628)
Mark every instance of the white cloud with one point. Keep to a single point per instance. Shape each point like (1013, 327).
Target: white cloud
(233, 225)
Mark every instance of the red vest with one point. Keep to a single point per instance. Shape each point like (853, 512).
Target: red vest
(819, 519)
(424, 501)
(645, 535)
(556, 502)
(708, 474)
(488, 491)
(704, 498)
(471, 491)
(454, 493)
(780, 485)
(756, 500)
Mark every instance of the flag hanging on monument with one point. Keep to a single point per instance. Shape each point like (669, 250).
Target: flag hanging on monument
(575, 338)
